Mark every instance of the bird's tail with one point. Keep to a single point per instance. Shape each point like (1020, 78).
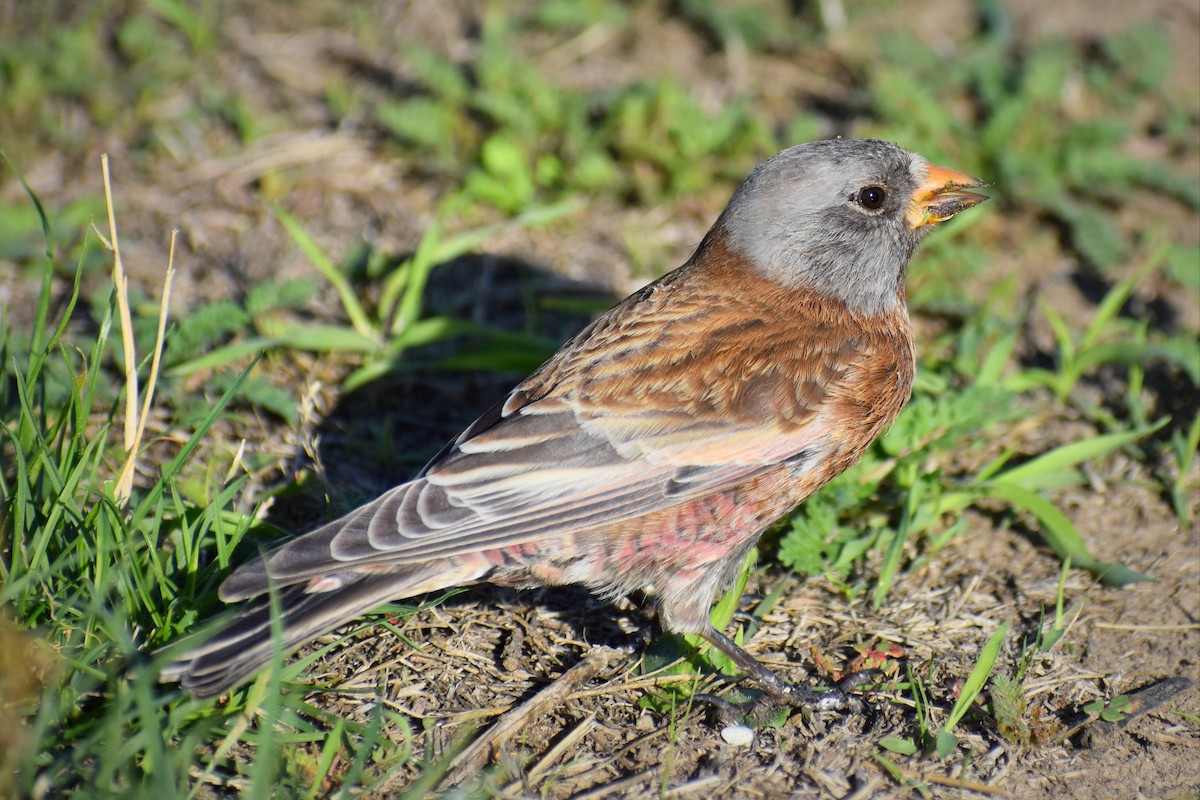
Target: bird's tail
(245, 644)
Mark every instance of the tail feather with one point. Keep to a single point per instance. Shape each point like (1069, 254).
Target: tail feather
(245, 644)
(256, 576)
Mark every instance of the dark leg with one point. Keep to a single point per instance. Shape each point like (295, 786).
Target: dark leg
(779, 690)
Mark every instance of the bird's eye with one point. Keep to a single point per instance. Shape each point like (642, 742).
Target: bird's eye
(872, 197)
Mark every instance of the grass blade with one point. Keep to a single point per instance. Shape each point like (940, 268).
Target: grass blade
(1032, 473)
(1060, 534)
(349, 299)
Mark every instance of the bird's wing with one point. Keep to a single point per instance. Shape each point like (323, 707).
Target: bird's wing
(626, 419)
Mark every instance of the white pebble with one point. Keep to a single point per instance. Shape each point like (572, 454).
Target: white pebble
(738, 735)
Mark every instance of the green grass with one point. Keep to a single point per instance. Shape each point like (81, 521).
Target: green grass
(104, 572)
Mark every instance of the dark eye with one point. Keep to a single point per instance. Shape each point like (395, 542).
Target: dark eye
(872, 197)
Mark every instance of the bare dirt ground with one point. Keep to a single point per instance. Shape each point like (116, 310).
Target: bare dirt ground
(486, 651)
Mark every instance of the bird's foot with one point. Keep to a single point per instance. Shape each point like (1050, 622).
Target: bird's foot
(778, 693)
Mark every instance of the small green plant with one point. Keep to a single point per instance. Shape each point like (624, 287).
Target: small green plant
(1114, 710)
(85, 558)
(1181, 486)
(105, 567)
(1050, 635)
(1107, 340)
(1009, 706)
(396, 324)
(223, 334)
(816, 541)
(1008, 703)
(1062, 154)
(519, 137)
(942, 741)
(109, 62)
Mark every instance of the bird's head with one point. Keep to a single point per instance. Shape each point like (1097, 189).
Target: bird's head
(842, 217)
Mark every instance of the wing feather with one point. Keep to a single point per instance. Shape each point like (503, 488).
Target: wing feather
(647, 408)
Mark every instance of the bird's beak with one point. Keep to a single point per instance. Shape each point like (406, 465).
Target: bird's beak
(942, 195)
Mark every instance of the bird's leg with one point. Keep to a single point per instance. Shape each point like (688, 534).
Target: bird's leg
(777, 689)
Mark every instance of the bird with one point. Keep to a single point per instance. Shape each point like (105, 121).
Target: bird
(652, 450)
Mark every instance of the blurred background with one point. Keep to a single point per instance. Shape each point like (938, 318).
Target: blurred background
(361, 117)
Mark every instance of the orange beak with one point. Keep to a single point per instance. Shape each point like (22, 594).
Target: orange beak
(942, 195)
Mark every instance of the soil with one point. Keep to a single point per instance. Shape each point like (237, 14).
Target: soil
(483, 653)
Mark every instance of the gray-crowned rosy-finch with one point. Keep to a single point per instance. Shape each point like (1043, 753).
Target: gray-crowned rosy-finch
(650, 452)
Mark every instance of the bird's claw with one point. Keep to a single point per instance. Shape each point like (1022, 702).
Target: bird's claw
(781, 694)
